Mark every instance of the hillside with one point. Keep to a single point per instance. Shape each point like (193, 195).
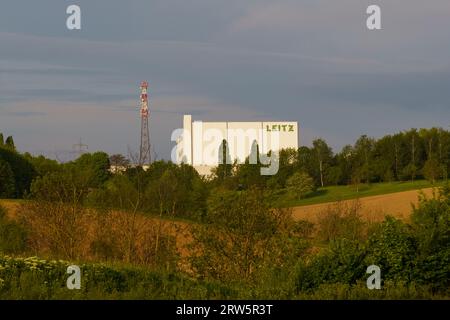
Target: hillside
(373, 208)
(343, 192)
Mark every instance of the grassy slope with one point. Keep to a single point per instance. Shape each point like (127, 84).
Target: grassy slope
(326, 194)
(336, 193)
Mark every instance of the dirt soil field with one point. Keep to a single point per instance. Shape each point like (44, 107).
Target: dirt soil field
(373, 208)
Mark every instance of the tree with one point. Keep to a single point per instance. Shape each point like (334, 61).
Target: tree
(22, 169)
(42, 165)
(322, 154)
(7, 184)
(98, 164)
(409, 172)
(357, 176)
(363, 157)
(224, 169)
(416, 153)
(165, 194)
(287, 164)
(9, 143)
(431, 229)
(341, 221)
(334, 175)
(119, 162)
(12, 235)
(241, 236)
(432, 170)
(299, 185)
(56, 213)
(119, 192)
(385, 159)
(392, 247)
(70, 186)
(344, 162)
(248, 174)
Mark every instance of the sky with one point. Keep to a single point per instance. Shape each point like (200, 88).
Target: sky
(311, 61)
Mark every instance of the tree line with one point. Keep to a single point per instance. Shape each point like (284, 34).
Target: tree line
(166, 187)
(405, 156)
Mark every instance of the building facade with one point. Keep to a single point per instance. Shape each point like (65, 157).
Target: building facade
(200, 144)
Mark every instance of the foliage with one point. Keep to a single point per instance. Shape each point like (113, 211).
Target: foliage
(69, 185)
(35, 278)
(97, 163)
(299, 185)
(7, 183)
(42, 165)
(432, 170)
(12, 235)
(341, 221)
(21, 168)
(431, 228)
(392, 248)
(241, 236)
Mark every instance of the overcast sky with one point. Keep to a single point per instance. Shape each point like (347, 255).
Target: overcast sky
(311, 61)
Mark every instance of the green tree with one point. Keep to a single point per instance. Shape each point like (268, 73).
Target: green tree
(119, 192)
(119, 161)
(70, 185)
(9, 143)
(409, 172)
(22, 169)
(363, 157)
(431, 229)
(7, 184)
(432, 170)
(13, 236)
(241, 236)
(42, 165)
(341, 262)
(248, 174)
(392, 247)
(98, 164)
(299, 185)
(323, 155)
(224, 170)
(56, 214)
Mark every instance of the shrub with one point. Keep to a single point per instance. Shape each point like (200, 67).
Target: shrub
(341, 220)
(12, 235)
(299, 185)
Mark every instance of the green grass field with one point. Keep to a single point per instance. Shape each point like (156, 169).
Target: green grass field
(337, 193)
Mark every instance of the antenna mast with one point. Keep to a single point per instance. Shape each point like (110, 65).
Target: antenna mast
(144, 153)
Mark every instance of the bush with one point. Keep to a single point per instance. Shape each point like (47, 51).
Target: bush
(392, 248)
(34, 278)
(241, 236)
(341, 221)
(340, 263)
(299, 185)
(12, 235)
(431, 229)
(7, 183)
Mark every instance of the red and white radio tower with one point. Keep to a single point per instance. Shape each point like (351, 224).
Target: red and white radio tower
(144, 154)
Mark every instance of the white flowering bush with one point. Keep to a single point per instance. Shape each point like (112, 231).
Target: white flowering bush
(35, 278)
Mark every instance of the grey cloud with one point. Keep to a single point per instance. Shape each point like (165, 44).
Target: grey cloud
(311, 61)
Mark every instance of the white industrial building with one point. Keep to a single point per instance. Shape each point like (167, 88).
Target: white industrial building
(199, 142)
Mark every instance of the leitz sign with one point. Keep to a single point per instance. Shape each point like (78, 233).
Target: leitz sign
(280, 128)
